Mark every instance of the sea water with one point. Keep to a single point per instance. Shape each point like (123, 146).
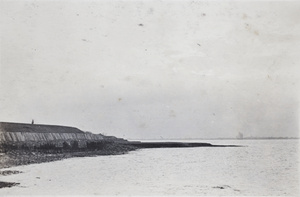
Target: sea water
(261, 167)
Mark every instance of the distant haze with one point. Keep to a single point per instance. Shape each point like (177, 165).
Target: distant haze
(153, 69)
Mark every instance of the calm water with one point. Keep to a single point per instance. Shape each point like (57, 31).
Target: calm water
(264, 167)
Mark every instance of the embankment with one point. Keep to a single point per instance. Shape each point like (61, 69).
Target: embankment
(22, 144)
(20, 136)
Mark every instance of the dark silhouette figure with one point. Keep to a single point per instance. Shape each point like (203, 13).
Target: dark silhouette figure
(32, 122)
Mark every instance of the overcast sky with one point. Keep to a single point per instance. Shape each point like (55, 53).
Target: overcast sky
(153, 69)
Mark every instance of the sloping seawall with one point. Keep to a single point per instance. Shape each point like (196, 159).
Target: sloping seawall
(18, 134)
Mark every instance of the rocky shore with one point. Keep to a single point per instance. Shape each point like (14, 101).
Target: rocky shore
(24, 157)
(17, 157)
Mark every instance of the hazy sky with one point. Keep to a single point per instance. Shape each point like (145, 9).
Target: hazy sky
(152, 69)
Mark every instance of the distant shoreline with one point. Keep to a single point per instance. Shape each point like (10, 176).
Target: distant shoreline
(196, 139)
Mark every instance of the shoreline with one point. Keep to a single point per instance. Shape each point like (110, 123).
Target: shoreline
(17, 157)
(23, 144)
(13, 158)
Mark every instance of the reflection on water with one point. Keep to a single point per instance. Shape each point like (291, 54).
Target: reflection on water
(262, 167)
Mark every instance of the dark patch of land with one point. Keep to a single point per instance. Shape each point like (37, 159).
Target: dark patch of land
(7, 184)
(16, 157)
(174, 145)
(9, 172)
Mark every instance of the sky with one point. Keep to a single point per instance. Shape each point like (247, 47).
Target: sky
(153, 69)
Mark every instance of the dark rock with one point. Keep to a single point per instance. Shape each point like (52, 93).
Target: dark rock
(9, 172)
(7, 184)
